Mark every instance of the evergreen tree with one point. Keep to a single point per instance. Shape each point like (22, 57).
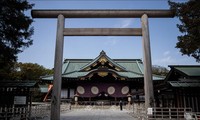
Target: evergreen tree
(15, 32)
(189, 15)
(29, 71)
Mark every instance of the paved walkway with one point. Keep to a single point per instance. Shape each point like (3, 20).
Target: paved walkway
(96, 114)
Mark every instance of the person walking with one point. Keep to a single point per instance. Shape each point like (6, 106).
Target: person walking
(120, 104)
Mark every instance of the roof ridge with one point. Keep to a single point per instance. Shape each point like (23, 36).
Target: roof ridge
(66, 66)
(70, 72)
(139, 67)
(102, 53)
(184, 66)
(135, 72)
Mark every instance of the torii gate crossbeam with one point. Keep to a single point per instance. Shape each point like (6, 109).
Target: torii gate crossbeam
(61, 32)
(100, 13)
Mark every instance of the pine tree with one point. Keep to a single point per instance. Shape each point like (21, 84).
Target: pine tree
(189, 15)
(15, 32)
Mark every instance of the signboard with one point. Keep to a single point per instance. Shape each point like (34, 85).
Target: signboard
(149, 111)
(20, 100)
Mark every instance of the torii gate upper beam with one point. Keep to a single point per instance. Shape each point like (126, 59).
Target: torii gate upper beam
(97, 13)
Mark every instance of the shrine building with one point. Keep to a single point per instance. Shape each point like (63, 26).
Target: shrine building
(102, 79)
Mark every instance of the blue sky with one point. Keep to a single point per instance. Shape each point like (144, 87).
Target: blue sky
(163, 34)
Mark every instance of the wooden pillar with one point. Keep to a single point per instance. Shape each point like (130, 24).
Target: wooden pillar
(198, 103)
(148, 83)
(181, 99)
(55, 99)
(184, 99)
(178, 96)
(68, 93)
(30, 102)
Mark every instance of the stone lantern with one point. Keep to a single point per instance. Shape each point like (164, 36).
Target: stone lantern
(129, 97)
(76, 99)
(129, 100)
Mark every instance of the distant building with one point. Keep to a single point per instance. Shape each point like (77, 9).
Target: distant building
(180, 88)
(16, 99)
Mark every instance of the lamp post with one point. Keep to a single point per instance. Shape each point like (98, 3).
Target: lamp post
(76, 99)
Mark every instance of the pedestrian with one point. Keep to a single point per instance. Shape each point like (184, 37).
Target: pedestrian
(120, 104)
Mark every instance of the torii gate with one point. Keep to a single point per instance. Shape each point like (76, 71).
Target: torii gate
(61, 32)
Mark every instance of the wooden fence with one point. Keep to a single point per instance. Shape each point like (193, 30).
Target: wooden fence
(170, 113)
(15, 113)
(37, 111)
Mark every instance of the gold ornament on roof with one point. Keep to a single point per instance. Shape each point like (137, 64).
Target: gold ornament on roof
(111, 65)
(114, 75)
(87, 69)
(82, 78)
(94, 64)
(103, 60)
(90, 75)
(102, 74)
(117, 69)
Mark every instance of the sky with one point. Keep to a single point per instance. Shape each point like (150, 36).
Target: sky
(163, 34)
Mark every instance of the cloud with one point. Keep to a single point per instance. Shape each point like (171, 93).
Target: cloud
(111, 41)
(166, 53)
(125, 23)
(165, 60)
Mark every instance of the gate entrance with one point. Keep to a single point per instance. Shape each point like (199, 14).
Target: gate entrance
(61, 32)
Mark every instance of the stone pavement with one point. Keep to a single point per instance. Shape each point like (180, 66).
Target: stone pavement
(95, 114)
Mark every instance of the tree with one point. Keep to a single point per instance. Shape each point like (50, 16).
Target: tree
(29, 71)
(15, 32)
(159, 70)
(189, 15)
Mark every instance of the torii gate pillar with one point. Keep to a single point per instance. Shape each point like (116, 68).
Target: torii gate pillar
(55, 99)
(148, 83)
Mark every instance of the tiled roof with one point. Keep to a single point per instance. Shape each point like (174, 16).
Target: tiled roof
(189, 70)
(17, 83)
(131, 68)
(184, 83)
(103, 54)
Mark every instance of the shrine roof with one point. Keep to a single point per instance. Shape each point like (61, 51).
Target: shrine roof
(128, 68)
(132, 65)
(124, 74)
(102, 58)
(189, 70)
(184, 76)
(191, 83)
(17, 83)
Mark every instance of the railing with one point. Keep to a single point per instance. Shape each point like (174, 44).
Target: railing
(37, 111)
(169, 113)
(40, 111)
(192, 116)
(197, 115)
(15, 113)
